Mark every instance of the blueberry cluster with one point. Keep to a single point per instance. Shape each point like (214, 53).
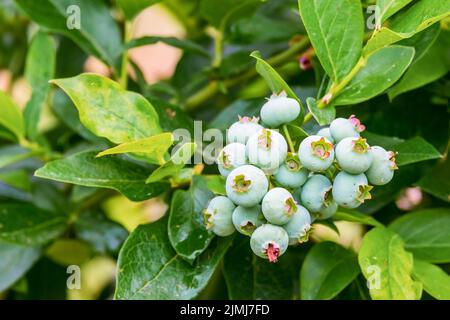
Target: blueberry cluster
(274, 195)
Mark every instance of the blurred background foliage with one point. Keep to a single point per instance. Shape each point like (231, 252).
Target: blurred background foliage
(190, 58)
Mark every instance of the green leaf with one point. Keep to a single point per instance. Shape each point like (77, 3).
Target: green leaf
(389, 7)
(336, 31)
(327, 270)
(67, 113)
(17, 178)
(387, 266)
(103, 235)
(98, 33)
(109, 111)
(437, 181)
(323, 116)
(109, 172)
(222, 13)
(155, 146)
(415, 150)
(187, 232)
(13, 154)
(183, 44)
(429, 68)
(150, 269)
(435, 280)
(10, 116)
(15, 261)
(132, 7)
(40, 68)
(421, 15)
(177, 162)
(216, 183)
(274, 80)
(355, 216)
(249, 277)
(426, 234)
(27, 225)
(382, 69)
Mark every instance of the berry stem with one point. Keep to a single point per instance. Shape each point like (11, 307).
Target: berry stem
(124, 68)
(288, 138)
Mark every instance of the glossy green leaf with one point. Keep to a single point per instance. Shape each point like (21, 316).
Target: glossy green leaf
(328, 268)
(429, 68)
(426, 233)
(336, 30)
(323, 116)
(103, 235)
(40, 68)
(132, 7)
(171, 168)
(88, 23)
(415, 150)
(216, 183)
(274, 80)
(355, 216)
(389, 7)
(150, 269)
(382, 69)
(10, 116)
(67, 113)
(13, 154)
(155, 146)
(183, 44)
(387, 266)
(437, 181)
(421, 15)
(27, 225)
(109, 172)
(249, 277)
(15, 261)
(187, 231)
(435, 280)
(222, 13)
(109, 111)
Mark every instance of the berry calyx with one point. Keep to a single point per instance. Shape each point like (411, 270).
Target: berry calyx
(364, 193)
(224, 160)
(321, 148)
(290, 206)
(391, 157)
(241, 184)
(360, 145)
(272, 251)
(208, 218)
(356, 123)
(248, 119)
(293, 163)
(265, 140)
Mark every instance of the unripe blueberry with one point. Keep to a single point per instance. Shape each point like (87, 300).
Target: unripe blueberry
(350, 191)
(267, 149)
(279, 110)
(217, 216)
(341, 128)
(278, 206)
(246, 186)
(269, 242)
(246, 220)
(243, 129)
(317, 196)
(291, 174)
(299, 226)
(382, 169)
(325, 132)
(231, 157)
(353, 155)
(316, 153)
